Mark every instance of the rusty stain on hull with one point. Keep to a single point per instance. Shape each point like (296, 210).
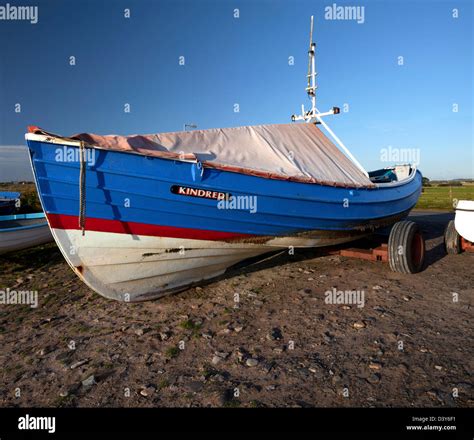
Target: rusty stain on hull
(357, 229)
(166, 251)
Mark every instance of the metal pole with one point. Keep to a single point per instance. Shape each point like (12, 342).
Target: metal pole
(313, 69)
(339, 142)
(314, 113)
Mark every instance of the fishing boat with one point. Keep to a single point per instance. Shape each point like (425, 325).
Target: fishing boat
(459, 233)
(8, 202)
(22, 231)
(140, 216)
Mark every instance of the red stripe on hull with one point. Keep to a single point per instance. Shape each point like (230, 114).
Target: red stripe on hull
(58, 221)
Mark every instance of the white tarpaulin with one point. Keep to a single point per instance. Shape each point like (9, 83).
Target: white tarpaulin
(298, 152)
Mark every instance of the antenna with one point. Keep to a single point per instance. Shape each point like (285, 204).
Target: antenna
(310, 115)
(311, 88)
(309, 58)
(314, 115)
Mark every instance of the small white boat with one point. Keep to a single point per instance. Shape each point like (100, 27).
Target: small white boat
(22, 231)
(459, 233)
(464, 220)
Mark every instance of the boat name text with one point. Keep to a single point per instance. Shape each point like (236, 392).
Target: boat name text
(198, 192)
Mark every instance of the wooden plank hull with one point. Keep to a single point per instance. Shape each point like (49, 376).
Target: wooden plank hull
(154, 225)
(135, 268)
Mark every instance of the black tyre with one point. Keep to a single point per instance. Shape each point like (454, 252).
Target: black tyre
(406, 248)
(452, 240)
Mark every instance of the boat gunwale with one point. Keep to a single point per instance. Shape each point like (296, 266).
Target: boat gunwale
(56, 140)
(33, 215)
(269, 175)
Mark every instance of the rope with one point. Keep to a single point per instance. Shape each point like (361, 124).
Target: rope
(82, 189)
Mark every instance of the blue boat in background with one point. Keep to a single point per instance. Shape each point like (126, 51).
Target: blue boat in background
(22, 231)
(8, 202)
(137, 217)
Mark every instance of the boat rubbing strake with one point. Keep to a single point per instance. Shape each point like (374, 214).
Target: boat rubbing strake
(137, 217)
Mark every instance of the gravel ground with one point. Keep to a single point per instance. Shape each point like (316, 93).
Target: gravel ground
(280, 344)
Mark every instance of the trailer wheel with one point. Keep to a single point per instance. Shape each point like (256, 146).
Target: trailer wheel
(406, 248)
(452, 240)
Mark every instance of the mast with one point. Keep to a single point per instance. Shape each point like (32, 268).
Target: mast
(311, 88)
(313, 115)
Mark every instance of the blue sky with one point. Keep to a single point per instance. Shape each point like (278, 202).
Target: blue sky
(244, 61)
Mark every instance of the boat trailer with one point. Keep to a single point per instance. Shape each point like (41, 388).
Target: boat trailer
(454, 243)
(466, 245)
(379, 253)
(404, 251)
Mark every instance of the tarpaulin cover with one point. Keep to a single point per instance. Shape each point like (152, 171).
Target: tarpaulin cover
(297, 152)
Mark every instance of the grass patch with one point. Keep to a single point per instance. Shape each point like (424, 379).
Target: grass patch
(172, 352)
(442, 197)
(164, 383)
(231, 404)
(208, 372)
(189, 324)
(82, 328)
(61, 402)
(29, 200)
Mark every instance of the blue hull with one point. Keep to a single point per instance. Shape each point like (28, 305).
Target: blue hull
(133, 188)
